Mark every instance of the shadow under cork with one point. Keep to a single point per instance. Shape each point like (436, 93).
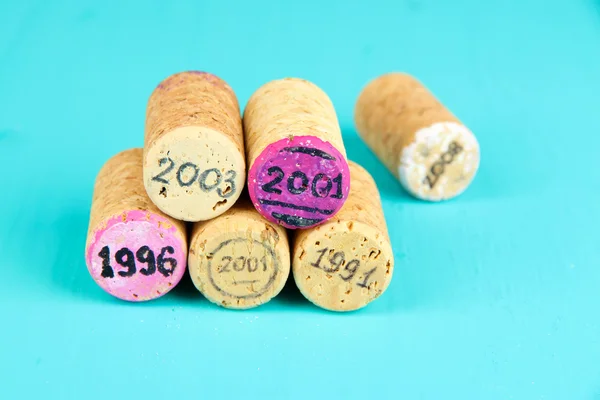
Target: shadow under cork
(290, 296)
(387, 183)
(186, 291)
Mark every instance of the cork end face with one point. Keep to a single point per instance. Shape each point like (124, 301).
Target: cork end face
(440, 163)
(193, 173)
(299, 182)
(136, 255)
(240, 269)
(343, 266)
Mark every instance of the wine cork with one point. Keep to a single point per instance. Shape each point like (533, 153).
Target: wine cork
(298, 174)
(347, 262)
(434, 156)
(239, 259)
(134, 251)
(194, 167)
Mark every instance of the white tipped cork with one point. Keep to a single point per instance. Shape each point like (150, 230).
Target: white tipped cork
(433, 155)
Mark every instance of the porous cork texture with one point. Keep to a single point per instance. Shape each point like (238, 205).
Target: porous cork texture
(433, 155)
(126, 227)
(239, 260)
(194, 161)
(298, 173)
(347, 262)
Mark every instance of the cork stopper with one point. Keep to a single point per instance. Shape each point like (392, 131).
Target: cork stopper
(134, 251)
(434, 156)
(194, 166)
(239, 260)
(298, 173)
(347, 262)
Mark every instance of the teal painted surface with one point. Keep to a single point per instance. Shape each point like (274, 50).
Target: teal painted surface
(496, 295)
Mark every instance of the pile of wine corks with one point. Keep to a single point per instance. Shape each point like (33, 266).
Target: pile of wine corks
(241, 201)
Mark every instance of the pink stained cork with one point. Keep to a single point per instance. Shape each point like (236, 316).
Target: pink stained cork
(298, 174)
(134, 251)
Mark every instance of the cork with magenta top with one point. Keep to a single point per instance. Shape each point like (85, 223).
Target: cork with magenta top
(134, 251)
(239, 259)
(434, 156)
(298, 173)
(347, 262)
(194, 166)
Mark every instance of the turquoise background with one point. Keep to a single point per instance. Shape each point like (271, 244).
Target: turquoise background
(495, 295)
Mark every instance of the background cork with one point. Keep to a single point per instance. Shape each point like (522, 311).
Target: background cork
(420, 141)
(194, 165)
(133, 250)
(298, 174)
(347, 262)
(239, 259)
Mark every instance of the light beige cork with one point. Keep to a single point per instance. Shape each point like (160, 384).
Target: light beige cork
(347, 262)
(434, 156)
(133, 250)
(194, 161)
(239, 260)
(298, 171)
(288, 107)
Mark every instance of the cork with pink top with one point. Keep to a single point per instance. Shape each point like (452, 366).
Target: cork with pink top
(134, 251)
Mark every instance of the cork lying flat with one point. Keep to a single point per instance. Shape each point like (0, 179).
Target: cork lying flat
(134, 251)
(194, 166)
(298, 173)
(239, 259)
(433, 155)
(347, 262)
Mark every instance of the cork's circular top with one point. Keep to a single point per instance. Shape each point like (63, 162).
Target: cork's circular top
(137, 255)
(194, 173)
(299, 182)
(239, 260)
(343, 266)
(440, 163)
(194, 166)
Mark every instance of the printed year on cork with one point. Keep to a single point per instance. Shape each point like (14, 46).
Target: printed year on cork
(134, 251)
(433, 155)
(239, 260)
(194, 167)
(298, 174)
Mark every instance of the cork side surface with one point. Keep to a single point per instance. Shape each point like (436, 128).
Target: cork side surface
(285, 108)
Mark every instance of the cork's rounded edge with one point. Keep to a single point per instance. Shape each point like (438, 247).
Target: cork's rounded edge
(179, 78)
(161, 226)
(413, 168)
(316, 235)
(272, 151)
(201, 276)
(205, 137)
